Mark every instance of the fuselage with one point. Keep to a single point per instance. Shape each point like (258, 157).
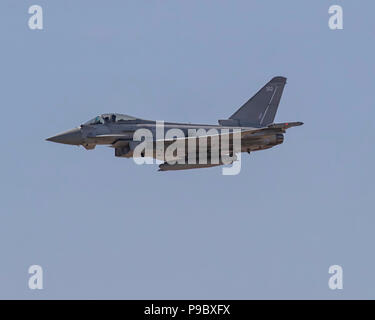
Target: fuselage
(108, 133)
(250, 128)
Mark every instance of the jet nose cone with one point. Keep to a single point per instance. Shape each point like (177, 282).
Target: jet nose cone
(72, 136)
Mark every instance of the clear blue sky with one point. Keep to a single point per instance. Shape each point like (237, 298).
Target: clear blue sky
(103, 227)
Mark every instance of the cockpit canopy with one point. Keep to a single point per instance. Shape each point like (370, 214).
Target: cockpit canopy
(109, 117)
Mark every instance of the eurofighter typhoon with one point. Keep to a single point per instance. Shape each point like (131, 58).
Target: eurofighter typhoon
(252, 126)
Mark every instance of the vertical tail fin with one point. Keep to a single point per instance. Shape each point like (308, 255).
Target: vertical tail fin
(261, 109)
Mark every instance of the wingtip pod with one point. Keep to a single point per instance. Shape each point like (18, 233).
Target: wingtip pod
(295, 124)
(285, 125)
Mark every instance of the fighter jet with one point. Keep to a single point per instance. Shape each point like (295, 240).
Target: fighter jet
(254, 121)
